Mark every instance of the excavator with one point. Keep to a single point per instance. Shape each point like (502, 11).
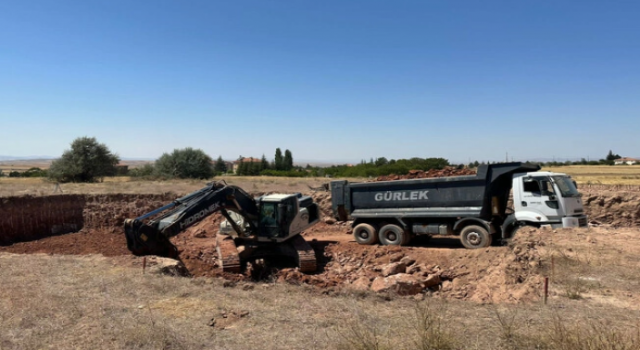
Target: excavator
(266, 227)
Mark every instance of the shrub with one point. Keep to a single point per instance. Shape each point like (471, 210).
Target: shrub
(187, 163)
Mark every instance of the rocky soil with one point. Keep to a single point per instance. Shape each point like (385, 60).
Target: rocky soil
(439, 267)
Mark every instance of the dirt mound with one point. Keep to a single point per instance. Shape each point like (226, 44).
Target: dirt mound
(615, 209)
(496, 274)
(421, 174)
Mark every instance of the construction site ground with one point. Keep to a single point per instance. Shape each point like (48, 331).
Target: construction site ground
(84, 289)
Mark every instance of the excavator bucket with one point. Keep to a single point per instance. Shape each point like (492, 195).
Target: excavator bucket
(145, 240)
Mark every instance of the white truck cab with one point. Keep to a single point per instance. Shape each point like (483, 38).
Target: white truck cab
(547, 198)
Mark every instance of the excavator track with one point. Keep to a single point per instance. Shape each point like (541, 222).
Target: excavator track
(306, 255)
(228, 254)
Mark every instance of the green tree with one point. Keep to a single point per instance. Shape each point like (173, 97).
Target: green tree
(86, 161)
(279, 162)
(288, 160)
(256, 168)
(220, 167)
(146, 170)
(611, 156)
(381, 161)
(264, 163)
(34, 172)
(187, 163)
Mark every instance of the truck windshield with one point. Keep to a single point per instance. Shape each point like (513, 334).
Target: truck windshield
(566, 186)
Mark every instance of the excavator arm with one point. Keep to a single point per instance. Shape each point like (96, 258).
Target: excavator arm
(149, 234)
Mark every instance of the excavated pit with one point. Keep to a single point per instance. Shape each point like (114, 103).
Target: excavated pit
(497, 274)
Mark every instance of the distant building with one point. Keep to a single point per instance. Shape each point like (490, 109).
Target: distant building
(626, 160)
(236, 164)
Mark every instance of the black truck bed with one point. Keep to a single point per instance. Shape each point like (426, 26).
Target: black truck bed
(455, 196)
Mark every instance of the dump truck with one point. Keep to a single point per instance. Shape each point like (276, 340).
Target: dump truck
(477, 208)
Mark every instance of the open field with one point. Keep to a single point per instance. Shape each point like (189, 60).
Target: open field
(125, 184)
(7, 166)
(623, 178)
(85, 290)
(601, 174)
(91, 301)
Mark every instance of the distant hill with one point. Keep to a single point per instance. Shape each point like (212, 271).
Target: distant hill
(4, 158)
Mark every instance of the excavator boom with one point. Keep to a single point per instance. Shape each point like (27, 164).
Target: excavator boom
(262, 232)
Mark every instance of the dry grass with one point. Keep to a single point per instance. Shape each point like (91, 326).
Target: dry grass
(8, 166)
(598, 264)
(625, 178)
(124, 184)
(601, 174)
(61, 302)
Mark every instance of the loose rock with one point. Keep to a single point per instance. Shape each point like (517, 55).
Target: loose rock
(361, 283)
(166, 266)
(402, 284)
(393, 269)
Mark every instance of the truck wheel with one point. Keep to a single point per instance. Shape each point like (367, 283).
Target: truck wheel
(393, 235)
(474, 236)
(365, 234)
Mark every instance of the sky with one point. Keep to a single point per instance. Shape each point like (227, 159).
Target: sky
(332, 81)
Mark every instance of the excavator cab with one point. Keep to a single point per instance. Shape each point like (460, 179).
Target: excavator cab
(277, 213)
(270, 217)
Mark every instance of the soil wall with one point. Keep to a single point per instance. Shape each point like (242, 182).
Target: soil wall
(30, 218)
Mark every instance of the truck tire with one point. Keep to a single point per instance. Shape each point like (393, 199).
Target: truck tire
(393, 235)
(474, 237)
(365, 234)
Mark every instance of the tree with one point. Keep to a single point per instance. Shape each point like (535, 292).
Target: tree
(146, 170)
(220, 167)
(187, 163)
(279, 162)
(288, 160)
(86, 161)
(34, 172)
(381, 161)
(264, 163)
(611, 156)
